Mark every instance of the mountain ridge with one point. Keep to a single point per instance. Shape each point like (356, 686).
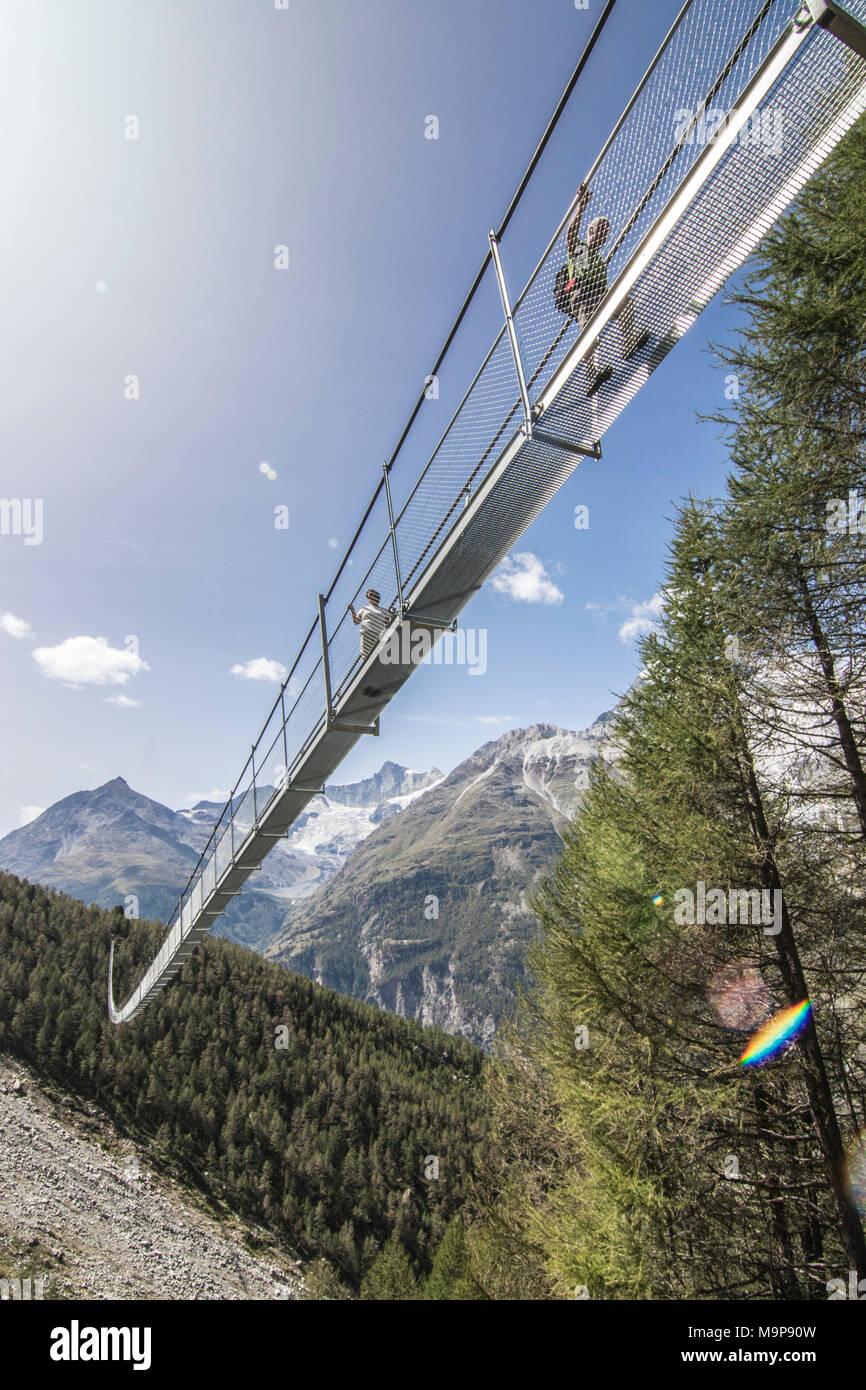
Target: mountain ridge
(407, 890)
(430, 917)
(110, 844)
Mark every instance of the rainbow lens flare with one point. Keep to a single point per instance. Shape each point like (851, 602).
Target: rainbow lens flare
(772, 1039)
(657, 900)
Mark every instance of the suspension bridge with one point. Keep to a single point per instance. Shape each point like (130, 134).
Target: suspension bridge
(740, 105)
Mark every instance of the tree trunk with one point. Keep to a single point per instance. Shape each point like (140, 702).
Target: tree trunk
(850, 751)
(815, 1076)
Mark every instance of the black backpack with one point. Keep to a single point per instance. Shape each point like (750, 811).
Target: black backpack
(561, 295)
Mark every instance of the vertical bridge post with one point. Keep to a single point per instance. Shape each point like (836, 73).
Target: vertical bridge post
(509, 323)
(530, 429)
(385, 471)
(326, 664)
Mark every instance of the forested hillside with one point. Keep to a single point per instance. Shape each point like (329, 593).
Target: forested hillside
(314, 1115)
(635, 1155)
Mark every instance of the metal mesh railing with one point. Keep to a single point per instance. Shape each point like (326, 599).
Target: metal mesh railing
(651, 154)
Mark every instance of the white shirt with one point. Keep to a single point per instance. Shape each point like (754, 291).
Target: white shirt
(374, 620)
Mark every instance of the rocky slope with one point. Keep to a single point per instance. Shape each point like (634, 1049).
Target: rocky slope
(80, 1210)
(430, 916)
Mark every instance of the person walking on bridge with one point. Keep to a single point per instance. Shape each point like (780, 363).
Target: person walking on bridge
(586, 285)
(373, 620)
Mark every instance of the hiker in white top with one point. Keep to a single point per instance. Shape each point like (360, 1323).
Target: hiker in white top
(372, 619)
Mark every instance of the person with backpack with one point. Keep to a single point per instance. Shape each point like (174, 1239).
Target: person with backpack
(581, 285)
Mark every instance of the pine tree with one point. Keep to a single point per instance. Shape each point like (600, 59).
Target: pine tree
(796, 514)
(449, 1278)
(391, 1278)
(322, 1283)
(686, 1176)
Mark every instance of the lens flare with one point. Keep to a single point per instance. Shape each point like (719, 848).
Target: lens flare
(776, 1033)
(739, 995)
(856, 1173)
(658, 900)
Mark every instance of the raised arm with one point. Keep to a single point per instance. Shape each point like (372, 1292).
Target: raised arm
(572, 236)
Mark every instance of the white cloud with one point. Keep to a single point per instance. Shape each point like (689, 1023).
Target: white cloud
(523, 577)
(261, 668)
(494, 718)
(88, 661)
(123, 700)
(218, 794)
(29, 813)
(16, 627)
(608, 606)
(644, 617)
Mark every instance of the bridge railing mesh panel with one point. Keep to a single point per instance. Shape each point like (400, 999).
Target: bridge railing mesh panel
(647, 159)
(650, 155)
(488, 416)
(735, 205)
(725, 219)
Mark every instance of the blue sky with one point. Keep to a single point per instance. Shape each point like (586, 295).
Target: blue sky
(154, 257)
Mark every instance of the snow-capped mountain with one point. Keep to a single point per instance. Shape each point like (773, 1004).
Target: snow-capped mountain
(112, 843)
(430, 916)
(324, 835)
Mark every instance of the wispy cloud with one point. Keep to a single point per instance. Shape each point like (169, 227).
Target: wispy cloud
(494, 718)
(15, 627)
(29, 813)
(608, 606)
(522, 576)
(644, 617)
(124, 701)
(218, 794)
(260, 668)
(88, 661)
(434, 719)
